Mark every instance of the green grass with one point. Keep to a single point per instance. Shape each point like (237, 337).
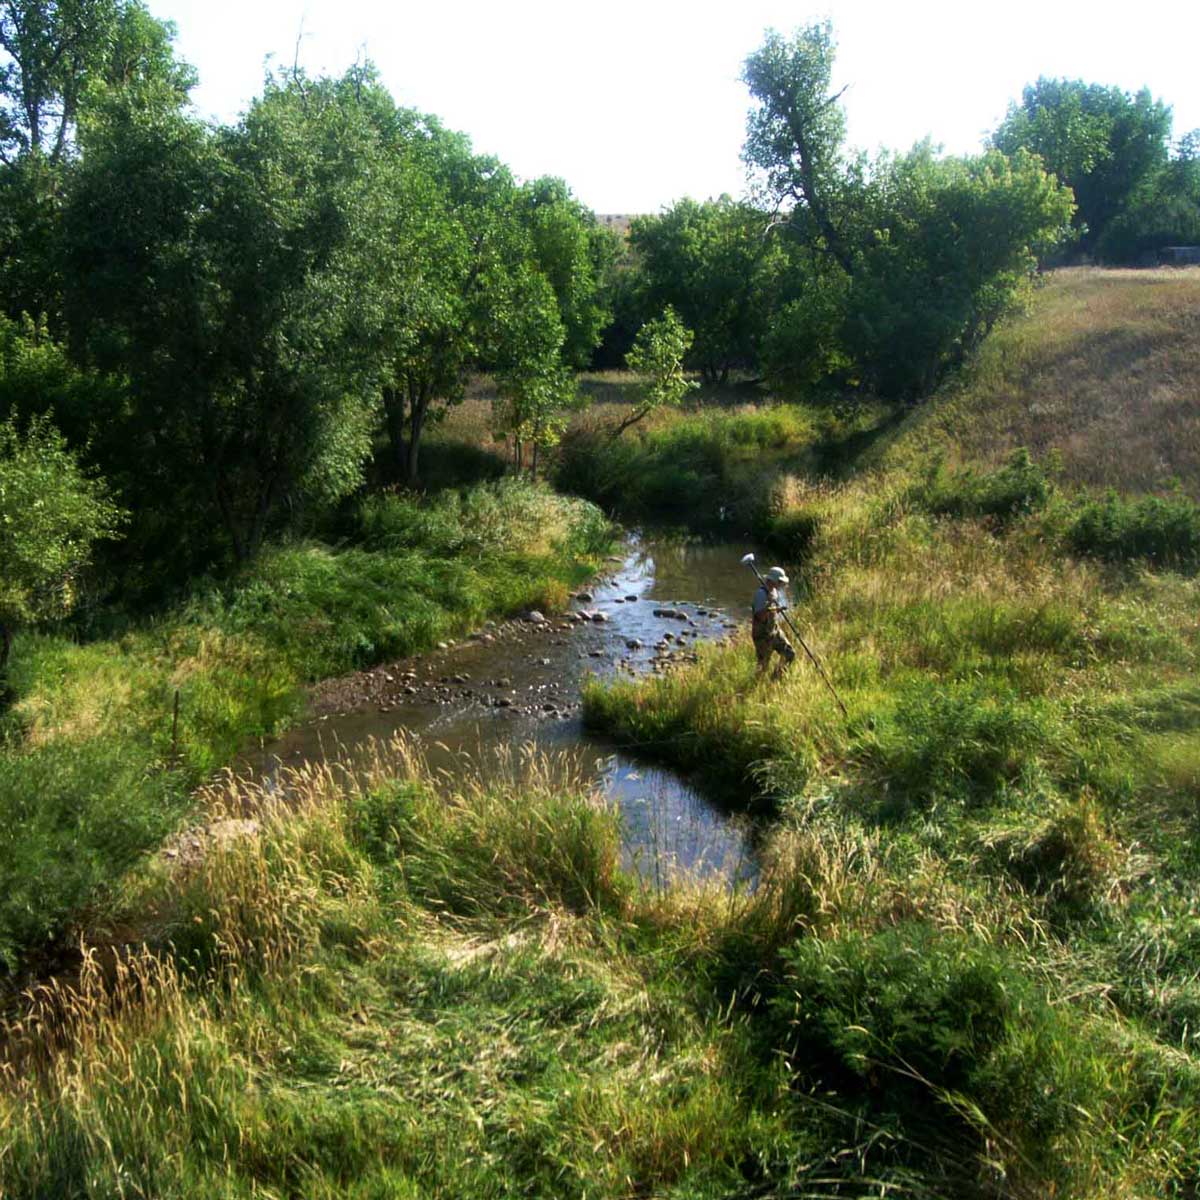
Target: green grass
(1011, 799)
(396, 990)
(706, 470)
(969, 964)
(93, 770)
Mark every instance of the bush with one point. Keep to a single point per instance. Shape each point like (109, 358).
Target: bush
(1164, 532)
(1020, 486)
(75, 817)
(939, 1038)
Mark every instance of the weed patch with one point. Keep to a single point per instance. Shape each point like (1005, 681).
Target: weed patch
(1164, 533)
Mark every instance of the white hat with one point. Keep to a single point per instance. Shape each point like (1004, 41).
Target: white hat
(777, 575)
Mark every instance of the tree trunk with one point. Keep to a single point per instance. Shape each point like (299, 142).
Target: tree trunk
(394, 411)
(418, 407)
(262, 513)
(231, 525)
(5, 650)
(534, 466)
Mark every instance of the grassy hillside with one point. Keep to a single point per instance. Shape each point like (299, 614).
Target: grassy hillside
(1098, 380)
(1020, 659)
(1102, 371)
(970, 966)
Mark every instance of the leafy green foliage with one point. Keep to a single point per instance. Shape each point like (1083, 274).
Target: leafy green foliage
(954, 244)
(1163, 211)
(76, 818)
(803, 346)
(64, 55)
(1162, 531)
(657, 357)
(1099, 141)
(912, 258)
(1020, 486)
(717, 267)
(576, 255)
(51, 514)
(794, 136)
(534, 388)
(259, 239)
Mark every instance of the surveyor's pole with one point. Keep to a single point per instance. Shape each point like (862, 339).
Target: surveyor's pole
(749, 561)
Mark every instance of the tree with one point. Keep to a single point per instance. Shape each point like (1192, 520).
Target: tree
(921, 253)
(1163, 211)
(60, 52)
(51, 515)
(956, 242)
(1100, 141)
(657, 356)
(576, 255)
(794, 136)
(716, 265)
(59, 61)
(231, 278)
(535, 389)
(437, 250)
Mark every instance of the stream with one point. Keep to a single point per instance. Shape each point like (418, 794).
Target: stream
(514, 687)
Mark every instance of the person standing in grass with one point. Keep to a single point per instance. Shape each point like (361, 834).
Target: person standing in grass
(769, 602)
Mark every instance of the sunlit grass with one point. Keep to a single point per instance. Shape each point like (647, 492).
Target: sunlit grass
(237, 657)
(390, 986)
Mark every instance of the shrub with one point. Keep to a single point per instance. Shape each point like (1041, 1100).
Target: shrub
(75, 817)
(939, 1037)
(51, 513)
(1164, 532)
(1020, 486)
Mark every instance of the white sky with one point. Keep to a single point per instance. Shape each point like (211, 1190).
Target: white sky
(636, 103)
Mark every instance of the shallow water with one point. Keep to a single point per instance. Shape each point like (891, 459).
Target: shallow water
(524, 695)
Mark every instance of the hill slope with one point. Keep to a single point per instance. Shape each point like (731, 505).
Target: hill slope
(1104, 369)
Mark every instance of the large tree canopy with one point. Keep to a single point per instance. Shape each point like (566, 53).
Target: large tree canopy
(231, 277)
(1101, 142)
(60, 61)
(715, 265)
(905, 262)
(58, 53)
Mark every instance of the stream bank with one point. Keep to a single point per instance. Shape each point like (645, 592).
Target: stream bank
(514, 688)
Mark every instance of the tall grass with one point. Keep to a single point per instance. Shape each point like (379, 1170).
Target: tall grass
(388, 988)
(94, 765)
(986, 859)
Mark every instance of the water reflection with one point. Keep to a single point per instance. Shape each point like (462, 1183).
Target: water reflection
(669, 826)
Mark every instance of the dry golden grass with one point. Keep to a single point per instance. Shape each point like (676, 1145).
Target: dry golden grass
(1102, 370)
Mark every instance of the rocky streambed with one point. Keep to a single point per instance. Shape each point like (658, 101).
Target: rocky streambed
(515, 685)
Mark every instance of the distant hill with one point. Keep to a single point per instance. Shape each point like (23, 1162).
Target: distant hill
(1104, 369)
